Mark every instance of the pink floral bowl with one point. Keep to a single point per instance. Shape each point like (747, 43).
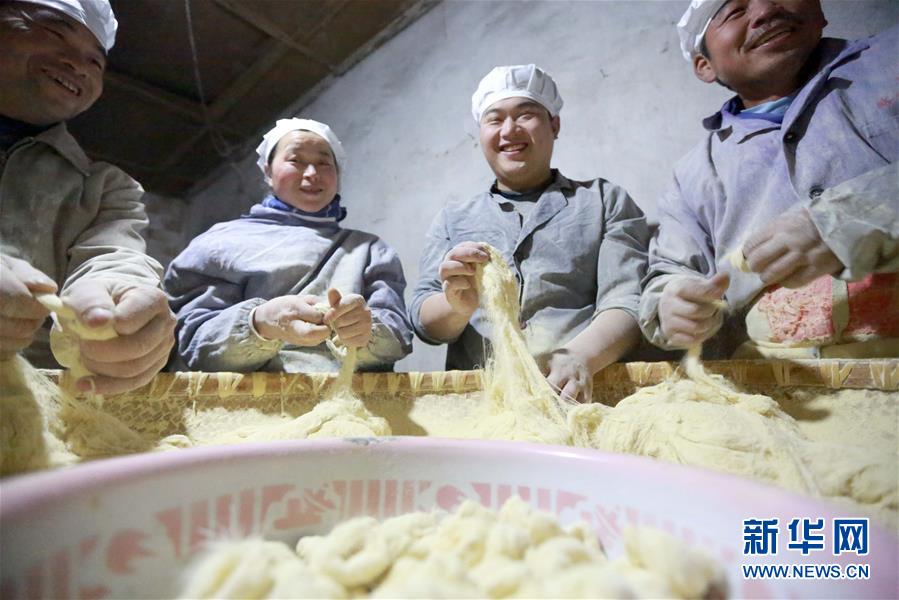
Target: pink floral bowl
(126, 527)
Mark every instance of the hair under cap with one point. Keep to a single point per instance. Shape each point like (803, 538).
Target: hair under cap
(96, 15)
(283, 127)
(692, 26)
(524, 81)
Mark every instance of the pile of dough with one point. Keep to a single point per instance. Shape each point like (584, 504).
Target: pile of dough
(340, 414)
(30, 427)
(699, 420)
(43, 425)
(72, 428)
(515, 552)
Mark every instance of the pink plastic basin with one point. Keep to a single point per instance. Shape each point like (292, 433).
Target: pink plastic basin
(125, 527)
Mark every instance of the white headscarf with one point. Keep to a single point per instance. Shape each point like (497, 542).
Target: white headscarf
(524, 81)
(283, 127)
(692, 26)
(96, 15)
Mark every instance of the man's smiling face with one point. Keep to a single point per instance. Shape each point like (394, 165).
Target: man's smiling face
(51, 66)
(517, 137)
(759, 47)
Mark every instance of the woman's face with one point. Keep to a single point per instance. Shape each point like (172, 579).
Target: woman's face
(303, 171)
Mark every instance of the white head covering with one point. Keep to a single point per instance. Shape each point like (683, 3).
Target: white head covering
(517, 81)
(284, 126)
(96, 15)
(692, 26)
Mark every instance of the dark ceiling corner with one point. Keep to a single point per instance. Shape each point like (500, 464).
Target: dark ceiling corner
(256, 59)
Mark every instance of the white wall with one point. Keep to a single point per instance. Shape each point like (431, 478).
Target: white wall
(632, 107)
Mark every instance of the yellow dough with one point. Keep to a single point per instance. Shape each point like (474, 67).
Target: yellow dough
(254, 568)
(29, 422)
(516, 552)
(43, 425)
(840, 445)
(520, 402)
(737, 260)
(340, 414)
(68, 331)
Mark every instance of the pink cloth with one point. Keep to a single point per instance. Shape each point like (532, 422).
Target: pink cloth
(805, 314)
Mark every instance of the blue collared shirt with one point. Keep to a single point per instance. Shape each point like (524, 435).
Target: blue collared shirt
(772, 111)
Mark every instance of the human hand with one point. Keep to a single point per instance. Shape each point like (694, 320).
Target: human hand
(144, 327)
(457, 271)
(689, 310)
(790, 252)
(20, 314)
(292, 319)
(567, 372)
(350, 318)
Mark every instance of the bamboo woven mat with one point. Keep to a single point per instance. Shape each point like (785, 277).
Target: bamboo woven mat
(880, 374)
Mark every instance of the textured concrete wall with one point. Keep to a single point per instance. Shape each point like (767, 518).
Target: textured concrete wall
(632, 107)
(166, 235)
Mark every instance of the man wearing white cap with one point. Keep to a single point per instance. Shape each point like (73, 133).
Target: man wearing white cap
(266, 291)
(576, 247)
(788, 206)
(68, 223)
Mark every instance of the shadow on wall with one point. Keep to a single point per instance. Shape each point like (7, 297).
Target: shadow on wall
(167, 234)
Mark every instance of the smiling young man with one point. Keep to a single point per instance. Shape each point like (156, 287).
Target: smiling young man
(797, 172)
(68, 223)
(578, 248)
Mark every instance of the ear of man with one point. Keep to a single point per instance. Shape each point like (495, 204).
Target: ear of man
(703, 69)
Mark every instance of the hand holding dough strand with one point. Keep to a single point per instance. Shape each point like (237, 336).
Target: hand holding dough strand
(67, 333)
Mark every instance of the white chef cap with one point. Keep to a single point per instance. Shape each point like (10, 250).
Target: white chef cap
(284, 126)
(692, 26)
(517, 81)
(96, 15)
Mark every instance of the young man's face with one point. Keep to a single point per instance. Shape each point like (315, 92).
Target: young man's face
(517, 136)
(303, 171)
(758, 47)
(51, 66)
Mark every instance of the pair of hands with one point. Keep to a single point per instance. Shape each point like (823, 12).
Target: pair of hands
(140, 316)
(789, 252)
(565, 369)
(297, 319)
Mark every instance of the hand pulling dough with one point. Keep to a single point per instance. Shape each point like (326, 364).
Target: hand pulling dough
(68, 331)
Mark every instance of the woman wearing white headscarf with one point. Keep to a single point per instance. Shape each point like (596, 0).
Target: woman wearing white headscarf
(264, 292)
